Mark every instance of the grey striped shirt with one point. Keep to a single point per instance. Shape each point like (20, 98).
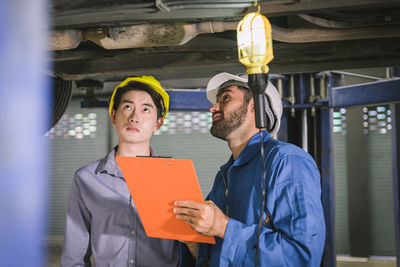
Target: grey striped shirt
(102, 221)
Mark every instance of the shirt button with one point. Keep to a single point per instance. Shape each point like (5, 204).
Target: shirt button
(131, 261)
(132, 232)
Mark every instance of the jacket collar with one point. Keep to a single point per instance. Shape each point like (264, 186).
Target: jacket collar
(249, 152)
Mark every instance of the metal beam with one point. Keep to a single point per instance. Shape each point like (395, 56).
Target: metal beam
(181, 99)
(164, 63)
(134, 13)
(130, 14)
(188, 100)
(385, 91)
(272, 9)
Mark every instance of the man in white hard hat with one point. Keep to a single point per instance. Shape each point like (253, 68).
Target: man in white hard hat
(102, 220)
(293, 229)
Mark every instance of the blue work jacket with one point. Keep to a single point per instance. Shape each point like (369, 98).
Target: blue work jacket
(293, 232)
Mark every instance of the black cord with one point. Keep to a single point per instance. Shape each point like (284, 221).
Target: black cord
(263, 198)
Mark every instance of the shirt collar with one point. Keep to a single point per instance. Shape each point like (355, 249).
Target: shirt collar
(249, 152)
(107, 164)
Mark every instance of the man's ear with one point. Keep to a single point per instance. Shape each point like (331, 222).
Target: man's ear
(113, 116)
(159, 123)
(251, 105)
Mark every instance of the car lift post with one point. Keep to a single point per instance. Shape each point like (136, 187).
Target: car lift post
(24, 109)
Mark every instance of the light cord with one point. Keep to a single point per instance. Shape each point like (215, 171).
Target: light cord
(263, 198)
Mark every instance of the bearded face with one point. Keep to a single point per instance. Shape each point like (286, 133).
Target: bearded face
(228, 122)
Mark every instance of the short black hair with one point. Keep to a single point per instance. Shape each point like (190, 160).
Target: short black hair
(138, 86)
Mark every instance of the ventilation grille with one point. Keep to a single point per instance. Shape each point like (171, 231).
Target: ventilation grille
(186, 122)
(77, 126)
(375, 119)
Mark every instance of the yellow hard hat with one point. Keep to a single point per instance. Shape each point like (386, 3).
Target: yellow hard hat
(149, 80)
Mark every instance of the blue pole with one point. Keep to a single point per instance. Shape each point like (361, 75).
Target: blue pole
(24, 108)
(328, 178)
(395, 108)
(328, 187)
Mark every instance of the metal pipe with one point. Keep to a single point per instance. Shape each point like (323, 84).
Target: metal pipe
(280, 87)
(65, 39)
(328, 23)
(292, 99)
(313, 98)
(322, 88)
(312, 94)
(153, 35)
(303, 106)
(303, 35)
(205, 6)
(355, 75)
(272, 77)
(304, 132)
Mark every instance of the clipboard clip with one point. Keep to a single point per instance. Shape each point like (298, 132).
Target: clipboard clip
(162, 157)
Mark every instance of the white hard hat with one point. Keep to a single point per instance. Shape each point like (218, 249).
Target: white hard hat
(273, 101)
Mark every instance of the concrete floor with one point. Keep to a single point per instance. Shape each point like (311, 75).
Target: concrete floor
(55, 252)
(344, 261)
(55, 246)
(374, 263)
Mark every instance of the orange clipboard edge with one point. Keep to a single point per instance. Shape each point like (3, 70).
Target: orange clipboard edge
(179, 176)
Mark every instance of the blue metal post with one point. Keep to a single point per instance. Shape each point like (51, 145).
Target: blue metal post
(396, 173)
(328, 180)
(303, 86)
(23, 111)
(328, 187)
(395, 108)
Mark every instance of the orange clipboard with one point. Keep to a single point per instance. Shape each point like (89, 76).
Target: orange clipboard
(154, 184)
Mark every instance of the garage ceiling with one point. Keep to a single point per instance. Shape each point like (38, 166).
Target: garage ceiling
(173, 40)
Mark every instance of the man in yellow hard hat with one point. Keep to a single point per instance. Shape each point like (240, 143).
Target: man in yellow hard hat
(102, 220)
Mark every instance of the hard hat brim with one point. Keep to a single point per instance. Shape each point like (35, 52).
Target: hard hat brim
(270, 92)
(149, 80)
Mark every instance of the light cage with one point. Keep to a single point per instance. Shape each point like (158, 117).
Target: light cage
(254, 41)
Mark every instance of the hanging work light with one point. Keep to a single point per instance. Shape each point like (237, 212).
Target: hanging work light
(254, 40)
(255, 52)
